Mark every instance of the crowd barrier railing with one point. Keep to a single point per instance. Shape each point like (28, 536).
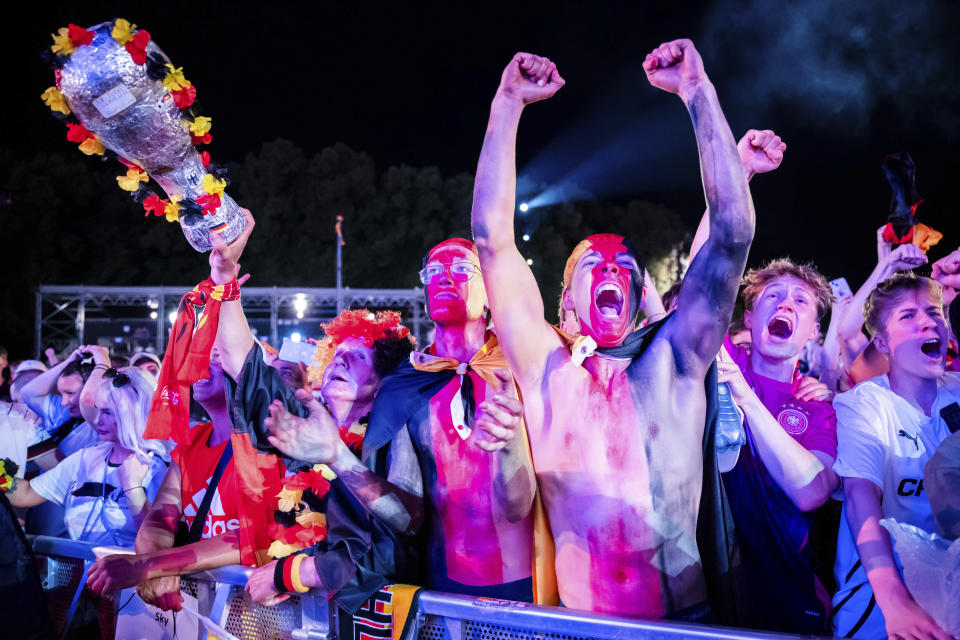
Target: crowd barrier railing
(438, 616)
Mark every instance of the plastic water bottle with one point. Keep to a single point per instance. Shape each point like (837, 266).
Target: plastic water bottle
(730, 435)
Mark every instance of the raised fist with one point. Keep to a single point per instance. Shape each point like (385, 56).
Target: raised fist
(675, 66)
(224, 257)
(904, 257)
(760, 151)
(946, 270)
(530, 78)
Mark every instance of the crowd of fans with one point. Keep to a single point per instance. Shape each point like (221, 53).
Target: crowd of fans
(382, 463)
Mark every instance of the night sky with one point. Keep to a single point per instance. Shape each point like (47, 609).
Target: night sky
(410, 83)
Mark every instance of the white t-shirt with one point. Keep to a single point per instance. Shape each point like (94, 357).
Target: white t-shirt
(95, 504)
(884, 439)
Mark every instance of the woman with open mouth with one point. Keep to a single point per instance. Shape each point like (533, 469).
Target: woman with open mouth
(887, 429)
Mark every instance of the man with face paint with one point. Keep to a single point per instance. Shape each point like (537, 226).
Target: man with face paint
(478, 493)
(616, 430)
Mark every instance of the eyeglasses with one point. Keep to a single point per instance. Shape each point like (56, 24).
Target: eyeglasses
(119, 378)
(459, 271)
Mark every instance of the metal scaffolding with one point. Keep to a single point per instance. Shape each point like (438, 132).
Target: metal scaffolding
(134, 318)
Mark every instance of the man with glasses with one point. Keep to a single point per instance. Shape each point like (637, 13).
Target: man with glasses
(454, 398)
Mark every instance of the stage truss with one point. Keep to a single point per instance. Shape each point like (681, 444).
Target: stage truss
(134, 318)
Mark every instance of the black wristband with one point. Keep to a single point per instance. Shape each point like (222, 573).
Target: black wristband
(278, 575)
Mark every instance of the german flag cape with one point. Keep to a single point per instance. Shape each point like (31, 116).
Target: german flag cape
(409, 388)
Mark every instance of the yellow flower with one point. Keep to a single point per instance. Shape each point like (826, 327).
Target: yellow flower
(5, 482)
(312, 519)
(325, 471)
(62, 44)
(289, 499)
(279, 549)
(171, 211)
(174, 80)
(92, 146)
(123, 31)
(131, 181)
(55, 100)
(213, 186)
(200, 125)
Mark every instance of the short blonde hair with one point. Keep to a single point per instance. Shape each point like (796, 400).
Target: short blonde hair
(756, 279)
(891, 291)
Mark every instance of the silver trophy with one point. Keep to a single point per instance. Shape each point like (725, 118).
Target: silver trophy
(134, 116)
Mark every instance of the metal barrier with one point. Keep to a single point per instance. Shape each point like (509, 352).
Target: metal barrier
(438, 616)
(219, 592)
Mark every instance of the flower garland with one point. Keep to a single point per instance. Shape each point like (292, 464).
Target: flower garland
(179, 89)
(8, 471)
(354, 323)
(299, 521)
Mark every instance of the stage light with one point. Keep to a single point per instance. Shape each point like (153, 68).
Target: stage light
(530, 261)
(172, 316)
(295, 337)
(523, 207)
(526, 237)
(300, 304)
(153, 315)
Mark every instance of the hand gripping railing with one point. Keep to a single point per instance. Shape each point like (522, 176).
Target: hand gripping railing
(438, 616)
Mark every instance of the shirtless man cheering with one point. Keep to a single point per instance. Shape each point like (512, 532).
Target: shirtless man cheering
(617, 440)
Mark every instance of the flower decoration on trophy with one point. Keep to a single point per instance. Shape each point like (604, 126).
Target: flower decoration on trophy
(120, 95)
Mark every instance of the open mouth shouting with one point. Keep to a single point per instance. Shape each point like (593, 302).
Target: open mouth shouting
(780, 327)
(932, 348)
(609, 300)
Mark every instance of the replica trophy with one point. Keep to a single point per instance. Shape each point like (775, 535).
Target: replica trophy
(119, 94)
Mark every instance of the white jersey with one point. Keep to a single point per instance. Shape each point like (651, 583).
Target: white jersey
(95, 504)
(884, 439)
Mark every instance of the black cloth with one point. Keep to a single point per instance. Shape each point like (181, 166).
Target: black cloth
(23, 606)
(360, 554)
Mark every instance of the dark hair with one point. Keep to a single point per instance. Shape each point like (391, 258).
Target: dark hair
(3, 352)
(389, 352)
(82, 367)
(670, 294)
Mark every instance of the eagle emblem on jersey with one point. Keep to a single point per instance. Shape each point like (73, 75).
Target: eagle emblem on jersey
(793, 420)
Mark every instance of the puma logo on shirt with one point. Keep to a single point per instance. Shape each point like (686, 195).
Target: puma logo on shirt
(904, 434)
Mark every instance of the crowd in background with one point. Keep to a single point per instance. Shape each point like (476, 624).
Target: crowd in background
(332, 473)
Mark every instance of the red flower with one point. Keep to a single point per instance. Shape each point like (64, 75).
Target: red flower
(312, 480)
(77, 132)
(352, 439)
(209, 202)
(79, 35)
(137, 47)
(183, 98)
(205, 158)
(153, 204)
(204, 139)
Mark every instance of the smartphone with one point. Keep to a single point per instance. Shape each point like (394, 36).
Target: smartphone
(291, 351)
(840, 288)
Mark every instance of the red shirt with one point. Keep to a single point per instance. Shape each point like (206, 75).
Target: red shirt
(197, 461)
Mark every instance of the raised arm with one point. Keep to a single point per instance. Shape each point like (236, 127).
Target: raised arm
(512, 290)
(88, 395)
(234, 337)
(850, 327)
(760, 152)
(45, 384)
(709, 290)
